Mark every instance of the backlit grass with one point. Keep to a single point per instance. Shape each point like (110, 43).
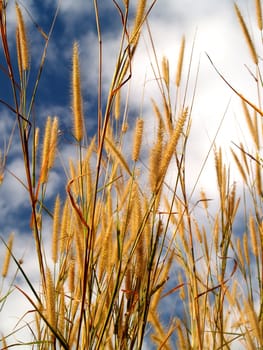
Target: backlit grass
(125, 241)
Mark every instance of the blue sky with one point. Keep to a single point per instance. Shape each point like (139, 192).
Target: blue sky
(217, 33)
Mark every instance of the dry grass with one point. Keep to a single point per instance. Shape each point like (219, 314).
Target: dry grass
(116, 240)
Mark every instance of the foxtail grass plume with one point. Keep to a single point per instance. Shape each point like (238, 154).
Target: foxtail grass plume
(45, 151)
(117, 104)
(18, 52)
(246, 249)
(246, 35)
(253, 236)
(77, 106)
(165, 71)
(252, 124)
(259, 14)
(155, 157)
(49, 147)
(53, 142)
(140, 12)
(71, 275)
(171, 146)
(36, 140)
(22, 39)
(62, 307)
(239, 166)
(65, 227)
(50, 299)
(8, 255)
(56, 229)
(137, 139)
(180, 63)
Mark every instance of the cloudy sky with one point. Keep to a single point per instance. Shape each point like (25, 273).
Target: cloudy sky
(213, 26)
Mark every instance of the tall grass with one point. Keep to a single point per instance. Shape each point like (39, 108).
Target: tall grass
(122, 230)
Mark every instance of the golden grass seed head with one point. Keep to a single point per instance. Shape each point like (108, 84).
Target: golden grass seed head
(117, 104)
(198, 232)
(246, 35)
(137, 139)
(155, 158)
(137, 233)
(65, 227)
(180, 63)
(53, 142)
(157, 326)
(239, 166)
(124, 127)
(253, 235)
(182, 288)
(204, 199)
(8, 255)
(172, 143)
(252, 124)
(244, 159)
(165, 71)
(71, 275)
(259, 14)
(50, 298)
(56, 230)
(36, 140)
(117, 154)
(232, 202)
(77, 105)
(246, 248)
(45, 151)
(139, 17)
(168, 115)
(216, 232)
(62, 308)
(106, 244)
(253, 320)
(239, 252)
(181, 341)
(22, 39)
(18, 52)
(219, 166)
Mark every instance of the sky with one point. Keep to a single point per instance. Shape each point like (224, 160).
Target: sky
(210, 24)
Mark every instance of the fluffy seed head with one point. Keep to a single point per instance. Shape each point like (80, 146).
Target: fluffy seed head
(137, 139)
(45, 151)
(8, 255)
(77, 107)
(171, 146)
(56, 228)
(138, 21)
(22, 38)
(165, 71)
(53, 142)
(246, 35)
(180, 63)
(50, 299)
(259, 14)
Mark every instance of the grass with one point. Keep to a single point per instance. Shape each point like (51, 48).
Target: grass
(122, 230)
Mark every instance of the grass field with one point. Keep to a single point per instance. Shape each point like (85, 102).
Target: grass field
(134, 260)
